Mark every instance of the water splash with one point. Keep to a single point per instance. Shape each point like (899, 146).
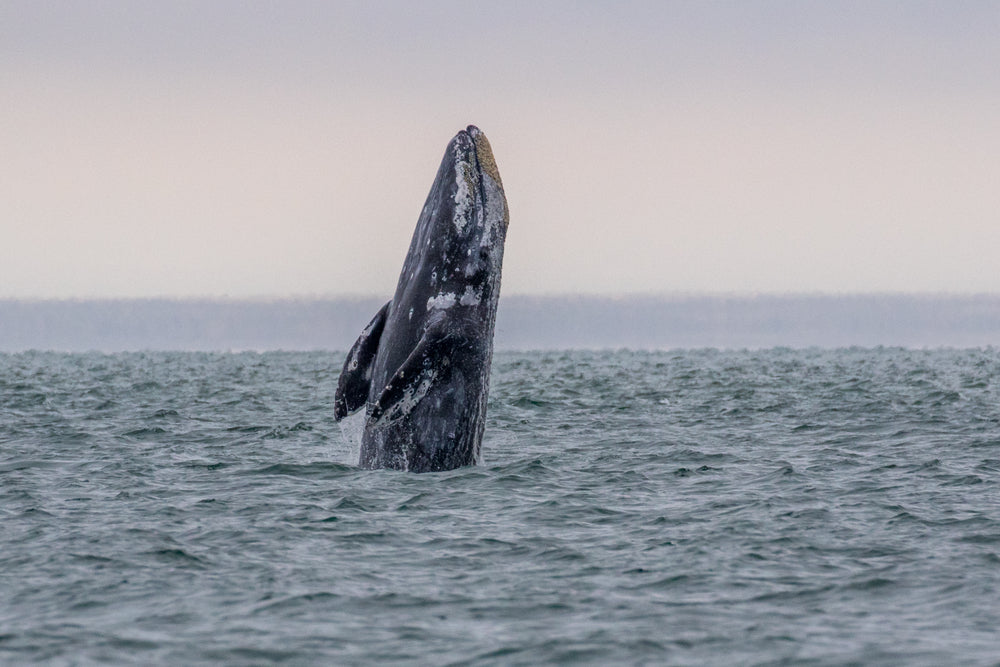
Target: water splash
(352, 428)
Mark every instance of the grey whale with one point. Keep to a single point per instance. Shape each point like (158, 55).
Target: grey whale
(421, 368)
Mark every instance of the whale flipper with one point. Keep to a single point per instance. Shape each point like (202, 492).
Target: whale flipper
(427, 364)
(355, 378)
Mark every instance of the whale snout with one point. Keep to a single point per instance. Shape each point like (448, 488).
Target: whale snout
(471, 145)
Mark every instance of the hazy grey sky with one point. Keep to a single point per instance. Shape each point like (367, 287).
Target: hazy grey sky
(252, 148)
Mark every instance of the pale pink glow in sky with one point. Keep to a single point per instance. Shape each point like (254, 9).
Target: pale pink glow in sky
(150, 149)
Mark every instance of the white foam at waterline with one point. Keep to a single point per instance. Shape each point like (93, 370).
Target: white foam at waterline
(352, 429)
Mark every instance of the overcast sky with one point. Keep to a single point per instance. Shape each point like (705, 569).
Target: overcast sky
(286, 148)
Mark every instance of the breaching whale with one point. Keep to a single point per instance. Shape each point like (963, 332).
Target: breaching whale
(421, 368)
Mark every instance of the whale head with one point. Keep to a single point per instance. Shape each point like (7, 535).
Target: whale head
(457, 249)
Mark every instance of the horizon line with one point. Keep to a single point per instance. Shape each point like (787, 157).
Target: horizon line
(665, 295)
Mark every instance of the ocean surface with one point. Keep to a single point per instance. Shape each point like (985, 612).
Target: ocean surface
(704, 507)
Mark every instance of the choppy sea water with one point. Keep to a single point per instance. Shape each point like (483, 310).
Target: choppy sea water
(692, 507)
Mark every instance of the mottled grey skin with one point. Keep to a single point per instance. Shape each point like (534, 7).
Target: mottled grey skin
(421, 368)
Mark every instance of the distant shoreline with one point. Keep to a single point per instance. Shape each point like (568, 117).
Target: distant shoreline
(523, 322)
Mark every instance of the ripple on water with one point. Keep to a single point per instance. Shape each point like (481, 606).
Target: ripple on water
(682, 507)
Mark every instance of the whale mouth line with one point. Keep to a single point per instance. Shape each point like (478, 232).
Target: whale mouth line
(471, 132)
(478, 166)
(485, 161)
